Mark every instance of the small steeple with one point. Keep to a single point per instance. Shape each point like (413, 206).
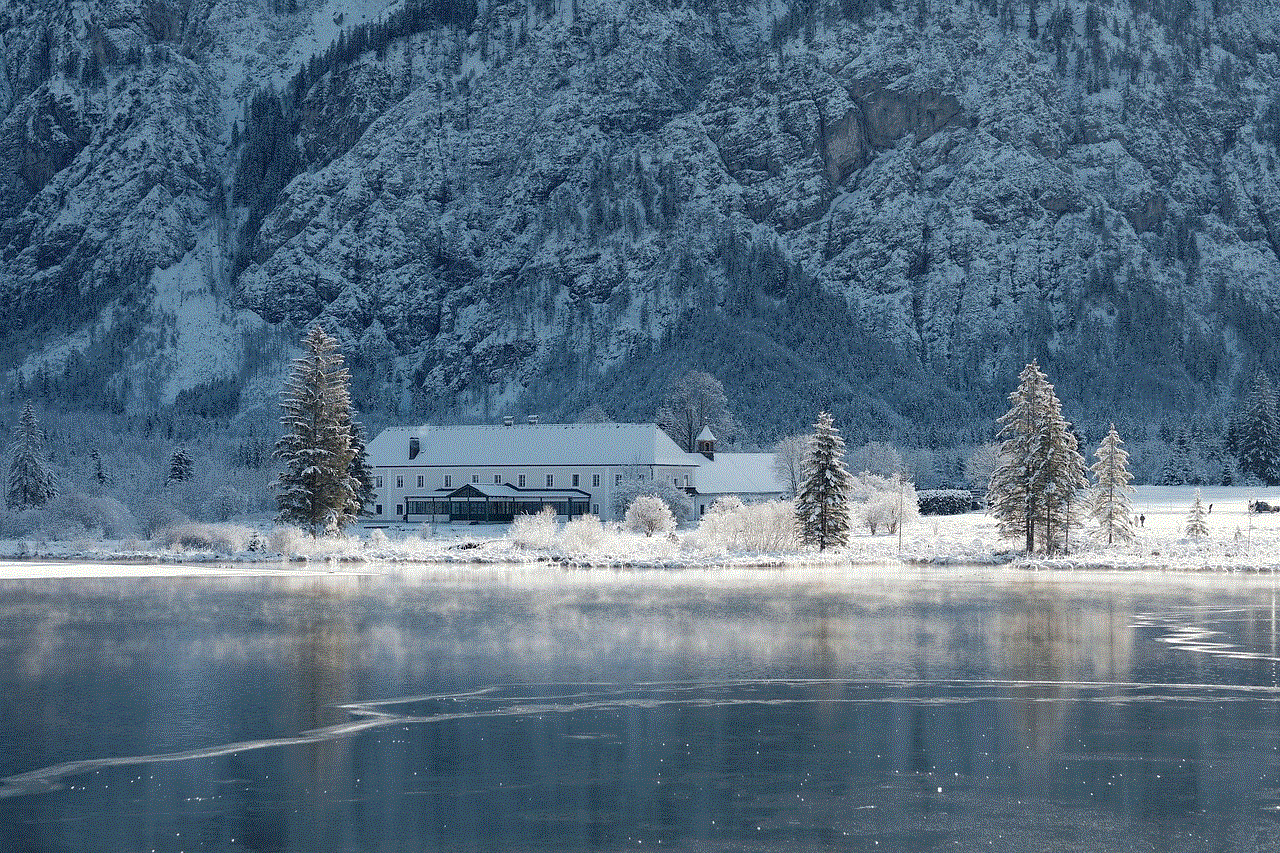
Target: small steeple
(706, 443)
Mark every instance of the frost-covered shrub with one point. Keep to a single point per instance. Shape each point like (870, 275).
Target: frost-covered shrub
(289, 540)
(378, 539)
(583, 535)
(675, 499)
(156, 513)
(766, 528)
(536, 532)
(225, 505)
(194, 536)
(72, 516)
(880, 504)
(945, 501)
(649, 514)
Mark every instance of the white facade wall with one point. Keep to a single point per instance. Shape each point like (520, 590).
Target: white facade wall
(400, 483)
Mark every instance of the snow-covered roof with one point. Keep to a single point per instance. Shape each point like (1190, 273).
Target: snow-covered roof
(738, 474)
(529, 444)
(706, 435)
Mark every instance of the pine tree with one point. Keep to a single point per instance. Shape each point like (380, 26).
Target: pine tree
(1196, 526)
(822, 506)
(180, 467)
(31, 482)
(361, 473)
(1258, 437)
(1111, 490)
(1035, 491)
(316, 488)
(99, 475)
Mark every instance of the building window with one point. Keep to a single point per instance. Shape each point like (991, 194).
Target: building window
(686, 480)
(551, 480)
(377, 509)
(448, 481)
(521, 482)
(595, 480)
(475, 478)
(595, 509)
(675, 481)
(419, 481)
(399, 485)
(617, 479)
(575, 481)
(399, 511)
(497, 478)
(377, 482)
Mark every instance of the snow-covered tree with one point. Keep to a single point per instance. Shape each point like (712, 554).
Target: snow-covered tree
(980, 465)
(695, 400)
(625, 493)
(1035, 493)
(877, 457)
(316, 490)
(594, 414)
(649, 515)
(1197, 528)
(180, 467)
(822, 504)
(1258, 433)
(788, 460)
(31, 481)
(1111, 490)
(361, 472)
(99, 476)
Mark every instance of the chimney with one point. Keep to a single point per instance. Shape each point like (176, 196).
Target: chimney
(533, 419)
(508, 420)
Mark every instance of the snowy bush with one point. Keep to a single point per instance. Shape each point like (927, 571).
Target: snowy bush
(378, 539)
(583, 535)
(194, 536)
(945, 501)
(536, 532)
(72, 516)
(765, 528)
(225, 505)
(156, 513)
(675, 499)
(649, 514)
(881, 504)
(289, 540)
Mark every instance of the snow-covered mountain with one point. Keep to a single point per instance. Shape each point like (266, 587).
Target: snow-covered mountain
(881, 207)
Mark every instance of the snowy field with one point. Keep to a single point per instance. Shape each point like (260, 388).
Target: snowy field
(1238, 541)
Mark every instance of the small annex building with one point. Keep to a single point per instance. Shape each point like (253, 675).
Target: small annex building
(492, 473)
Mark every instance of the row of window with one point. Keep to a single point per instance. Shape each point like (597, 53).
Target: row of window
(497, 480)
(476, 510)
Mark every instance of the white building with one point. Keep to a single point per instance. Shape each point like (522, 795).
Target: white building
(491, 473)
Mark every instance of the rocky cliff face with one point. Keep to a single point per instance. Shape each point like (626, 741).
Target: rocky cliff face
(882, 211)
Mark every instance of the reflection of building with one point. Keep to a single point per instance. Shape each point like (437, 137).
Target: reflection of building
(491, 473)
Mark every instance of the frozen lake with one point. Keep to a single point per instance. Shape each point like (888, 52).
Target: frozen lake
(534, 709)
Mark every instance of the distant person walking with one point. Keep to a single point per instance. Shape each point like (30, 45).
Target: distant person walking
(1142, 520)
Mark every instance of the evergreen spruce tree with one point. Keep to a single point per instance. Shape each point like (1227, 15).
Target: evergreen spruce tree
(31, 482)
(316, 490)
(1258, 435)
(361, 473)
(1197, 528)
(822, 506)
(99, 475)
(180, 467)
(1111, 490)
(1034, 494)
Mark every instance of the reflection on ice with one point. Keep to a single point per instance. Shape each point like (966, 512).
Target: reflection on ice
(519, 708)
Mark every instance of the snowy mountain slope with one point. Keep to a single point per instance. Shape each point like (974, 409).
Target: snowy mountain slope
(540, 204)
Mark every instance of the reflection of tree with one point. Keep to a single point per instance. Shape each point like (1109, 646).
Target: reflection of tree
(1049, 643)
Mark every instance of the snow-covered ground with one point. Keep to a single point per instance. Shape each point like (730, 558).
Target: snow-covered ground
(1238, 541)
